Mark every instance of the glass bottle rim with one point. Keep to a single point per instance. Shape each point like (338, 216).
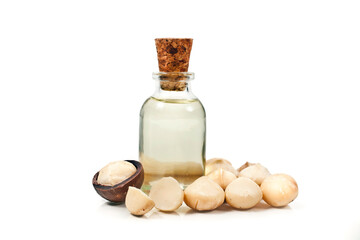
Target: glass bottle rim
(171, 76)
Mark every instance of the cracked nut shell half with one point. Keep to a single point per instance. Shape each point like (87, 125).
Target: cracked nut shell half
(117, 193)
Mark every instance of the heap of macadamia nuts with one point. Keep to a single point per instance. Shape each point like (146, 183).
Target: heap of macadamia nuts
(166, 195)
(242, 189)
(253, 183)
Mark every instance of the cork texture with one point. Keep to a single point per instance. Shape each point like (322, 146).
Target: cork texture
(173, 56)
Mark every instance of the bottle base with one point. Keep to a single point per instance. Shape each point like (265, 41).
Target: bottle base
(184, 180)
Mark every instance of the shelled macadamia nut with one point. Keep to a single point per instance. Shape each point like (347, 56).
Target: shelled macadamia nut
(218, 160)
(255, 172)
(245, 165)
(167, 194)
(243, 193)
(137, 202)
(222, 177)
(204, 194)
(217, 163)
(115, 172)
(279, 190)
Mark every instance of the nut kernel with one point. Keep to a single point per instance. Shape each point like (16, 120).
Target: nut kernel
(137, 202)
(204, 194)
(279, 190)
(115, 172)
(243, 193)
(167, 194)
(222, 177)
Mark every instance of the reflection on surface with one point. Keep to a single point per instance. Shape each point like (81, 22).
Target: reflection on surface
(119, 210)
(111, 209)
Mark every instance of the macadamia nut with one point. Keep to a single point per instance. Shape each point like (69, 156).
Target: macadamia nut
(245, 165)
(243, 193)
(216, 163)
(167, 194)
(115, 172)
(279, 190)
(218, 160)
(255, 172)
(137, 202)
(204, 194)
(222, 177)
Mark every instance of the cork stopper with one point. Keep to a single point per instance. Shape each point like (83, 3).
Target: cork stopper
(173, 57)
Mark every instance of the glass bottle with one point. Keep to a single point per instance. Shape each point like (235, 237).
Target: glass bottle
(172, 131)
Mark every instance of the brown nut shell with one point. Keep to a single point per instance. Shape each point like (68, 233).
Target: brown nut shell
(117, 193)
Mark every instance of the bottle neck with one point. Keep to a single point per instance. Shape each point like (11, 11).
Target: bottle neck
(173, 86)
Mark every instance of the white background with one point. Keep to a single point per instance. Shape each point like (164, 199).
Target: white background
(279, 81)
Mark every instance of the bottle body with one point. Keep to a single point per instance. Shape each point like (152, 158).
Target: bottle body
(172, 137)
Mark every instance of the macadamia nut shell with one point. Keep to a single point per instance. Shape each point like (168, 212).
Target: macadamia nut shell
(118, 192)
